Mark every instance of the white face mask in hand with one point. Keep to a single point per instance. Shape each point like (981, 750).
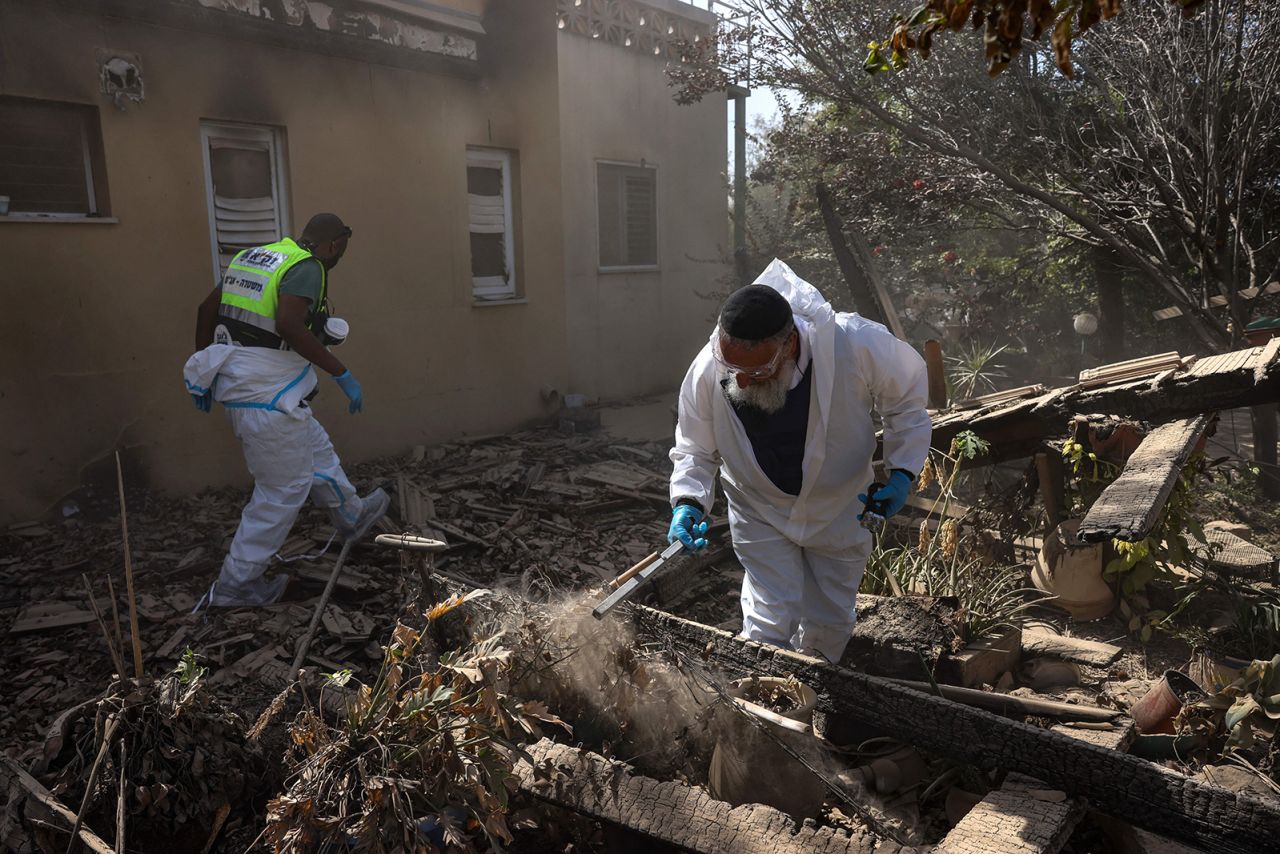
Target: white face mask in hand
(335, 331)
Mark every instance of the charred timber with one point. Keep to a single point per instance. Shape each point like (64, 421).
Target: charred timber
(673, 813)
(1226, 381)
(1131, 505)
(1135, 790)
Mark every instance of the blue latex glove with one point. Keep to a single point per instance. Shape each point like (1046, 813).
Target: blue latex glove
(202, 401)
(687, 527)
(889, 498)
(351, 388)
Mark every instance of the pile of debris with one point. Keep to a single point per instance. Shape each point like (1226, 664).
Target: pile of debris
(950, 712)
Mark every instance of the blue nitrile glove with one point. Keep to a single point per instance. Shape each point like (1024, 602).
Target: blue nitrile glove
(687, 527)
(351, 388)
(889, 498)
(204, 401)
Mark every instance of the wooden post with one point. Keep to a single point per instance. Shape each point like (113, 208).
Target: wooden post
(738, 94)
(1052, 473)
(305, 643)
(937, 374)
(1264, 448)
(128, 576)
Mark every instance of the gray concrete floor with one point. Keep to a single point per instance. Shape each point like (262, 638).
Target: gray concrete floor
(648, 419)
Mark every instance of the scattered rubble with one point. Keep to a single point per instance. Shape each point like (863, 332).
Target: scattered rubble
(544, 518)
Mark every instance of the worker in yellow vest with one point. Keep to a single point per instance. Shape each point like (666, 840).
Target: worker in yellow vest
(261, 337)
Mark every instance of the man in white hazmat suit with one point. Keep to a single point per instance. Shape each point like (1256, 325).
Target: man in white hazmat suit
(261, 337)
(779, 401)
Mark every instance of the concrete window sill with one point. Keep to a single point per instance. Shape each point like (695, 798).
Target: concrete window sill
(486, 303)
(613, 270)
(63, 220)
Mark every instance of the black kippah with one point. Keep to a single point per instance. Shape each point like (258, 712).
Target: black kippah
(754, 313)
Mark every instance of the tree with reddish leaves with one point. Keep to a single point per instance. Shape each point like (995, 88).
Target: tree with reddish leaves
(1161, 155)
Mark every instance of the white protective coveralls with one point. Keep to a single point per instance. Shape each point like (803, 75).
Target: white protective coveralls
(804, 555)
(287, 452)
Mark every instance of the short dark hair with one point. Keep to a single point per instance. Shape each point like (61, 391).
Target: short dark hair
(324, 227)
(754, 313)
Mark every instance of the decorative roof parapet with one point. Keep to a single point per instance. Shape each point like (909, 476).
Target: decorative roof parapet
(393, 24)
(652, 28)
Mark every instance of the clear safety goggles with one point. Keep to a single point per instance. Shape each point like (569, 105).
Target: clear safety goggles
(758, 372)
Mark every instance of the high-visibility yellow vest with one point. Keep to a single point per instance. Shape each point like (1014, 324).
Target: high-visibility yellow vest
(251, 291)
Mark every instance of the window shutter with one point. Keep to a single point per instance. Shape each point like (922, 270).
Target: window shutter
(627, 198)
(245, 210)
(642, 240)
(612, 226)
(489, 223)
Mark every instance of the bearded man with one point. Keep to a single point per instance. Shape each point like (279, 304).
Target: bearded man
(780, 403)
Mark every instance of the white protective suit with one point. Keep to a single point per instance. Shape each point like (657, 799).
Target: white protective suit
(805, 554)
(287, 452)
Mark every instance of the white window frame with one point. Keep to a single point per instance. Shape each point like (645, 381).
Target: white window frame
(274, 138)
(657, 232)
(491, 288)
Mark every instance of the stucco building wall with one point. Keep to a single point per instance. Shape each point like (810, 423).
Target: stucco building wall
(100, 315)
(633, 333)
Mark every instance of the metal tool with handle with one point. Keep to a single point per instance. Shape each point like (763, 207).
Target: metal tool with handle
(634, 578)
(873, 514)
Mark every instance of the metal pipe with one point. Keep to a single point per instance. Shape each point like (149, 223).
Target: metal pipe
(739, 96)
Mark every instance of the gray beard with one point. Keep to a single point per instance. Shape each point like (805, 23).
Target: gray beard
(769, 397)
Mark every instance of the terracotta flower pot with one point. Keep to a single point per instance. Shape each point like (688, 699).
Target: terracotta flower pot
(1072, 571)
(1155, 712)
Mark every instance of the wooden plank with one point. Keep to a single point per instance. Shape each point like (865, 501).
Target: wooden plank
(1115, 736)
(1141, 366)
(1130, 788)
(937, 374)
(1093, 653)
(941, 505)
(673, 813)
(982, 661)
(1131, 505)
(42, 616)
(1000, 397)
(1021, 817)
(172, 643)
(1263, 359)
(66, 819)
(1017, 430)
(1219, 300)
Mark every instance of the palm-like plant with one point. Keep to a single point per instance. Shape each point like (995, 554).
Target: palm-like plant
(976, 370)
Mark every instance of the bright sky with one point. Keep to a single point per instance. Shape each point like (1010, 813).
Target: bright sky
(761, 102)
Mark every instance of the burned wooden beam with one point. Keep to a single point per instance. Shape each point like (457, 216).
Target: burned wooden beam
(1225, 381)
(41, 801)
(1021, 817)
(1133, 789)
(1130, 506)
(674, 813)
